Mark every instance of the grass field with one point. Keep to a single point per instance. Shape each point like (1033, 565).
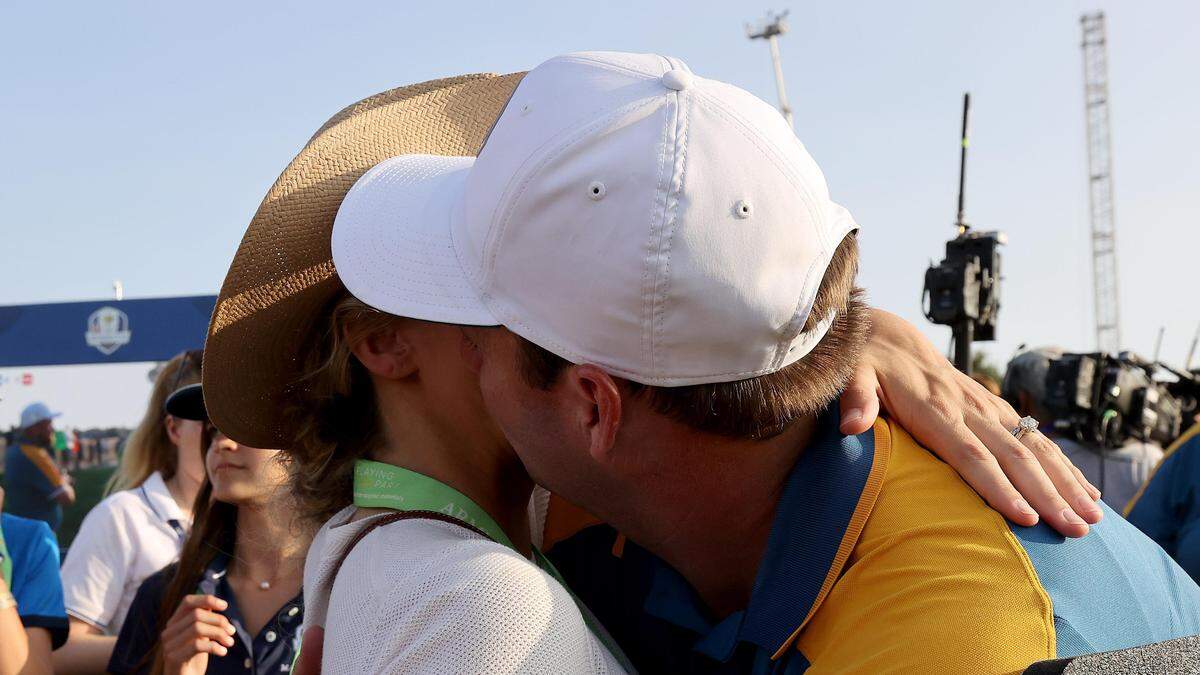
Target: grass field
(89, 489)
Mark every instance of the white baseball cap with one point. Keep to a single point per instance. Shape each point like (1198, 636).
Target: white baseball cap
(623, 212)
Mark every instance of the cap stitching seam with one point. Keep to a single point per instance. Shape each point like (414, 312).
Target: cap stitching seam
(652, 246)
(751, 135)
(510, 203)
(661, 245)
(678, 169)
(604, 65)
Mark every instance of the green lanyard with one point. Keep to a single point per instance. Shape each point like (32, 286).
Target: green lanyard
(5, 562)
(386, 486)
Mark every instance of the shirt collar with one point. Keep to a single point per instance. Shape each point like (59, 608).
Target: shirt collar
(154, 490)
(824, 505)
(214, 581)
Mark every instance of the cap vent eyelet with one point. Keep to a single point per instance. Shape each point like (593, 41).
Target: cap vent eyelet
(742, 209)
(526, 108)
(596, 191)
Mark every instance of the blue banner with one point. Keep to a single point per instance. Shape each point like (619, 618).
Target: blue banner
(110, 331)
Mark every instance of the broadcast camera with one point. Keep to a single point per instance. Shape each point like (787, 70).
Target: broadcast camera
(1104, 400)
(963, 290)
(965, 286)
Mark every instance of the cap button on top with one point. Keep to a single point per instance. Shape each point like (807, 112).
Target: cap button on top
(677, 79)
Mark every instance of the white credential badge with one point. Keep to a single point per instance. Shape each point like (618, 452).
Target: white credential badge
(108, 330)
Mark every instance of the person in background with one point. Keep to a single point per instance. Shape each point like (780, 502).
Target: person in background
(32, 620)
(1167, 508)
(992, 386)
(62, 450)
(233, 602)
(74, 447)
(138, 529)
(38, 487)
(1125, 468)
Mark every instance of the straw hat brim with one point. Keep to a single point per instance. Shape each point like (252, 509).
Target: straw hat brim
(282, 277)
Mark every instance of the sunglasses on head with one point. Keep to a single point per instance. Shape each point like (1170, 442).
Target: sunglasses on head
(192, 359)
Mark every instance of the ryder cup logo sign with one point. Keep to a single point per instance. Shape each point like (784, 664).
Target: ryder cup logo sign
(108, 330)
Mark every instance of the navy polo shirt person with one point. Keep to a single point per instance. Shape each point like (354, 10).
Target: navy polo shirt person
(234, 597)
(33, 621)
(37, 487)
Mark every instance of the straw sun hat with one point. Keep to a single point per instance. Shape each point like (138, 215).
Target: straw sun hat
(283, 273)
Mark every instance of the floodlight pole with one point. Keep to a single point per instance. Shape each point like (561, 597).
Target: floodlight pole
(774, 26)
(1187, 363)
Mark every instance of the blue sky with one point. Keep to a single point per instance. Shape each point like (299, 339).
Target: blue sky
(140, 138)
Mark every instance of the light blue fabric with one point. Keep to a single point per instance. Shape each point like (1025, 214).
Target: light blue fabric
(36, 585)
(1112, 589)
(1169, 511)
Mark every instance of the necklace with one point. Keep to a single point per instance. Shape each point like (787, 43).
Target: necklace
(263, 585)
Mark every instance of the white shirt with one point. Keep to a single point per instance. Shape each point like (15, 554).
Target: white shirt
(124, 539)
(1126, 468)
(429, 597)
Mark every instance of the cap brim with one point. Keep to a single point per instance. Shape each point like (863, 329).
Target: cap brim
(187, 403)
(392, 246)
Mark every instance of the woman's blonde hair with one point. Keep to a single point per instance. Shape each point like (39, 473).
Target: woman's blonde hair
(332, 409)
(149, 447)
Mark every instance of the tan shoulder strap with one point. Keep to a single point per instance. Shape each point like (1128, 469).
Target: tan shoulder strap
(393, 518)
(312, 666)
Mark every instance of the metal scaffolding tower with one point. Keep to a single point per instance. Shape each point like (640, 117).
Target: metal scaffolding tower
(1100, 195)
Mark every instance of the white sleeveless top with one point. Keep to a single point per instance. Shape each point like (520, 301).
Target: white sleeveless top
(425, 596)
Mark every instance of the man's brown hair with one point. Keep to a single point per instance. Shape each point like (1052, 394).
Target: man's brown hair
(762, 406)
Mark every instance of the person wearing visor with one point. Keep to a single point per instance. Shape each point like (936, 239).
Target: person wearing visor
(235, 594)
(137, 529)
(663, 308)
(38, 487)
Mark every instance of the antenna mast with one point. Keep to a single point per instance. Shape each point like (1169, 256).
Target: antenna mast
(1100, 192)
(962, 163)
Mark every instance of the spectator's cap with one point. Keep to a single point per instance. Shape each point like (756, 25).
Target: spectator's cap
(1027, 372)
(36, 412)
(623, 212)
(187, 403)
(282, 276)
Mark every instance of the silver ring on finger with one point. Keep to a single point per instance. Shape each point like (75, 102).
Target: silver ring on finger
(1025, 426)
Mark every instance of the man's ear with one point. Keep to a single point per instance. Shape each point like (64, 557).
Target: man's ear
(598, 407)
(386, 354)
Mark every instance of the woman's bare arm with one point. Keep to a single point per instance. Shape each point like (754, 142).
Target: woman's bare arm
(967, 427)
